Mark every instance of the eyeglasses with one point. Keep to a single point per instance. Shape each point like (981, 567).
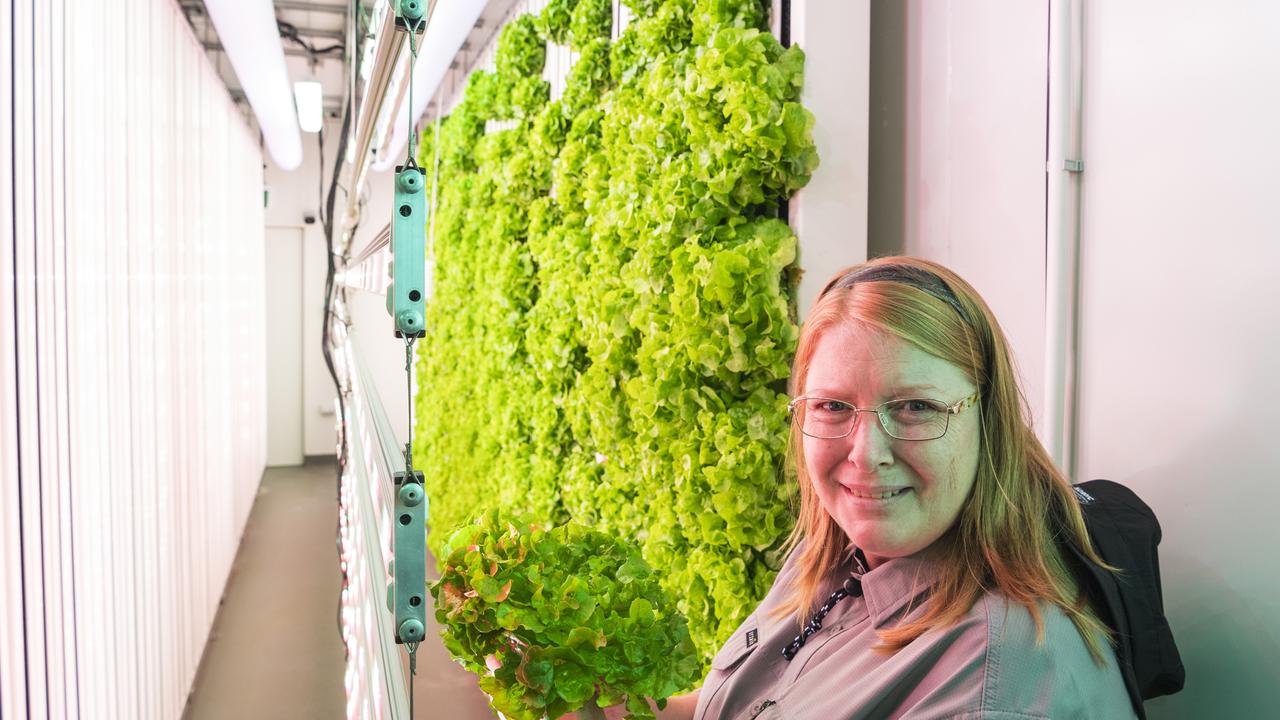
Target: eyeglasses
(910, 419)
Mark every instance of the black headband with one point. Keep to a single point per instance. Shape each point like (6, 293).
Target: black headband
(905, 274)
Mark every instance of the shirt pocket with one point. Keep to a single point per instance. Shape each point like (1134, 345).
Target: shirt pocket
(819, 648)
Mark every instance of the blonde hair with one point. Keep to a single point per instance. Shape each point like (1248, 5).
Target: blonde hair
(1006, 538)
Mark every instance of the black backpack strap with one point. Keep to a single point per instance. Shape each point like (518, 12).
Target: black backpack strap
(1103, 591)
(1126, 533)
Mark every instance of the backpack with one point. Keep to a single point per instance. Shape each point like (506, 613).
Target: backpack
(1125, 533)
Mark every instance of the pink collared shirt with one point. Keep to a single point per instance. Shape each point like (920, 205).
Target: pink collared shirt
(986, 666)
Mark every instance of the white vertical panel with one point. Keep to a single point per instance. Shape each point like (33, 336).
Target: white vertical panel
(13, 660)
(131, 356)
(66, 491)
(187, 300)
(176, 310)
(84, 274)
(46, 313)
(830, 214)
(120, 320)
(25, 139)
(54, 447)
(176, 523)
(13, 673)
(136, 219)
(165, 40)
(142, 303)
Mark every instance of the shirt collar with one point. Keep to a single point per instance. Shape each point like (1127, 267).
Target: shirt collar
(894, 584)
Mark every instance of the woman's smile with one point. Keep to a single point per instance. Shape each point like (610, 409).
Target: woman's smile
(875, 497)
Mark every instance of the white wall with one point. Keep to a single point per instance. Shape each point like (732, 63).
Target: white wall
(132, 399)
(1178, 317)
(958, 147)
(1180, 323)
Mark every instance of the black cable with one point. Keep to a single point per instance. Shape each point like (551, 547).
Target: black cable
(784, 29)
(327, 49)
(784, 39)
(289, 32)
(326, 220)
(326, 342)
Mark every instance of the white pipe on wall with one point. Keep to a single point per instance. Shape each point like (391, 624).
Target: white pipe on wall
(1064, 166)
(247, 29)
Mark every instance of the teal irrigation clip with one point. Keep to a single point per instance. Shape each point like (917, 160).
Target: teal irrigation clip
(405, 299)
(408, 592)
(409, 13)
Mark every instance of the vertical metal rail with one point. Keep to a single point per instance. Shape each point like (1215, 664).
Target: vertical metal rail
(1064, 167)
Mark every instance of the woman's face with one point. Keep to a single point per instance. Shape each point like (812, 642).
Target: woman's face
(932, 478)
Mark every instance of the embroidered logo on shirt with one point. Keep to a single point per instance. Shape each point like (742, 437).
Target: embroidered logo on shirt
(1084, 497)
(753, 637)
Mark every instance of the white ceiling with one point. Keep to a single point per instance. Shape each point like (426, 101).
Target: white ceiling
(321, 24)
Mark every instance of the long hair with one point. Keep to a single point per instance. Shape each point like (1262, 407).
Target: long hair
(1008, 533)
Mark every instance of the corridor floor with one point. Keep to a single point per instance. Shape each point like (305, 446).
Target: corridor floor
(275, 649)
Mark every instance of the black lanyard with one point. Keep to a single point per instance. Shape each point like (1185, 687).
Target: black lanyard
(852, 587)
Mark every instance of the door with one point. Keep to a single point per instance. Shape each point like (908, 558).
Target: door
(284, 346)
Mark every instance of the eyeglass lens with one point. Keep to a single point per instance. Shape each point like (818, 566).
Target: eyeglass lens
(912, 419)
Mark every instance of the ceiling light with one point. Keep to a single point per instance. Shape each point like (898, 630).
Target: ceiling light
(310, 99)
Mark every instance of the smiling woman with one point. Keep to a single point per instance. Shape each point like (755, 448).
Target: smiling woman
(891, 491)
(928, 573)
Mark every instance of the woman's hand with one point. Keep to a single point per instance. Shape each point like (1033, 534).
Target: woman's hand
(680, 707)
(591, 712)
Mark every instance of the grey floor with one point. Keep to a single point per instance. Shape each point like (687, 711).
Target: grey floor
(275, 649)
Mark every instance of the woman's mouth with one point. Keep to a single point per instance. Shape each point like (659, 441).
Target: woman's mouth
(877, 496)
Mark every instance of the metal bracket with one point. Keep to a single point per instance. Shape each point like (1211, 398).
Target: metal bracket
(1075, 166)
(408, 593)
(406, 294)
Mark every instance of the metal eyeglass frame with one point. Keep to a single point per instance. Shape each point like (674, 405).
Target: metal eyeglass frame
(953, 409)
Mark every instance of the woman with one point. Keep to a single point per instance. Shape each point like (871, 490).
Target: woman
(925, 578)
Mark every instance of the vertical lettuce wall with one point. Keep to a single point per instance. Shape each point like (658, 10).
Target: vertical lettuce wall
(611, 326)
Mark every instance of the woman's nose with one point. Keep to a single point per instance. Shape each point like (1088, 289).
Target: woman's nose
(870, 446)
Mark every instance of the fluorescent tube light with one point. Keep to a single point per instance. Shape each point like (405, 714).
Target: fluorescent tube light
(310, 99)
(247, 29)
(382, 126)
(447, 29)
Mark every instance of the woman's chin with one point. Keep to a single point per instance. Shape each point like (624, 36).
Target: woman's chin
(881, 543)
